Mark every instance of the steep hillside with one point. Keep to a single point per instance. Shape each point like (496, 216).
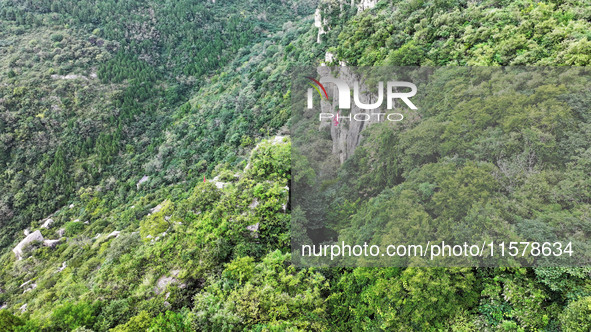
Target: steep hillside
(145, 155)
(89, 89)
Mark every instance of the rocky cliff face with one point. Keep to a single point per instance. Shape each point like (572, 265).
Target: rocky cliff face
(346, 135)
(366, 4)
(32, 237)
(319, 23)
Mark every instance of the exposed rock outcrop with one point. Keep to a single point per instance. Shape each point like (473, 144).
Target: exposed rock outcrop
(63, 267)
(30, 288)
(164, 281)
(47, 224)
(142, 180)
(25, 283)
(51, 243)
(156, 209)
(69, 77)
(347, 135)
(318, 22)
(113, 234)
(254, 230)
(219, 184)
(35, 236)
(366, 4)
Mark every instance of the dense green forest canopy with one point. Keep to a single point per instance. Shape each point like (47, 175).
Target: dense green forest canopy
(96, 92)
(113, 112)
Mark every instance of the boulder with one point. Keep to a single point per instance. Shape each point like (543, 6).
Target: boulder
(62, 267)
(48, 222)
(164, 281)
(35, 236)
(142, 180)
(254, 229)
(51, 243)
(156, 209)
(25, 283)
(254, 204)
(113, 234)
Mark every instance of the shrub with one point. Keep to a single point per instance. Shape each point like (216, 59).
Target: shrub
(56, 37)
(577, 315)
(157, 222)
(70, 316)
(270, 161)
(73, 228)
(8, 321)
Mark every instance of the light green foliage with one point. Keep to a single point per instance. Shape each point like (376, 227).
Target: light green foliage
(466, 33)
(164, 322)
(8, 321)
(172, 321)
(69, 316)
(577, 315)
(271, 161)
(402, 300)
(157, 222)
(138, 323)
(269, 295)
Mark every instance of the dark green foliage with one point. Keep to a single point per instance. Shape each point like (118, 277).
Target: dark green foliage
(69, 316)
(69, 131)
(269, 295)
(395, 299)
(8, 321)
(73, 228)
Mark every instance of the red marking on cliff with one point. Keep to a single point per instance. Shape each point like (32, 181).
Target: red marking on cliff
(320, 85)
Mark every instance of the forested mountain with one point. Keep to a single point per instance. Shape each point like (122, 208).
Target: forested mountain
(145, 153)
(91, 88)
